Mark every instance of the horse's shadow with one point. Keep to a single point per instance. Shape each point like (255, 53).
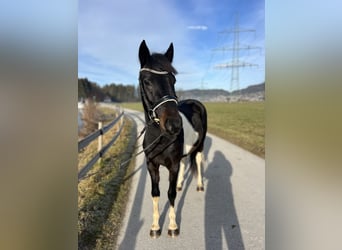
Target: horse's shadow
(135, 223)
(180, 202)
(187, 181)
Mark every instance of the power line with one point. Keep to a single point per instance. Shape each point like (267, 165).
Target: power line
(236, 63)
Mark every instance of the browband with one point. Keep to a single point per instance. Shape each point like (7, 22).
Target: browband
(154, 71)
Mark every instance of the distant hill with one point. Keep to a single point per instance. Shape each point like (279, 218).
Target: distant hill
(251, 93)
(250, 89)
(204, 94)
(130, 93)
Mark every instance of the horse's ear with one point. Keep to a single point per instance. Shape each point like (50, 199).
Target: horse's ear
(144, 53)
(169, 53)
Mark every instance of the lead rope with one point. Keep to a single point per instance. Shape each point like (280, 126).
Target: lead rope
(130, 158)
(143, 150)
(151, 144)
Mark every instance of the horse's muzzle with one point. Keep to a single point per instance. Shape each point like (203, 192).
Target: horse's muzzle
(173, 125)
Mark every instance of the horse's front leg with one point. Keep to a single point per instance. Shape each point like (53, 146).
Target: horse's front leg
(173, 230)
(154, 173)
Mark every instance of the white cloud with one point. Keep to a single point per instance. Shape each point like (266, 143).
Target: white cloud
(198, 27)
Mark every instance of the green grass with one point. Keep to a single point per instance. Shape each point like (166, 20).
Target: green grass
(240, 123)
(133, 105)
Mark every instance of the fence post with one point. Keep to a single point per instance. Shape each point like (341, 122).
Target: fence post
(100, 141)
(122, 117)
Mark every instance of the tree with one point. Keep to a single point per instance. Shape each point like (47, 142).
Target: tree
(116, 92)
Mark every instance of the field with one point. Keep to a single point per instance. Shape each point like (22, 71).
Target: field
(240, 123)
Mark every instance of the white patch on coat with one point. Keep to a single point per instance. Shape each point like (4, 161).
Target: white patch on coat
(190, 135)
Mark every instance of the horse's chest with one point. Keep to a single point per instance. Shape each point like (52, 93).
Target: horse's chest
(190, 135)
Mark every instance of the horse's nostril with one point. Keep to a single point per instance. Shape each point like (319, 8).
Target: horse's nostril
(173, 125)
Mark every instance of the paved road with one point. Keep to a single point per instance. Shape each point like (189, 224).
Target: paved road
(230, 214)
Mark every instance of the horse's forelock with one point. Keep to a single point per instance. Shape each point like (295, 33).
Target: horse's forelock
(160, 62)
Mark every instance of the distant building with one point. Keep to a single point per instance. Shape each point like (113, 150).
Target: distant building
(107, 99)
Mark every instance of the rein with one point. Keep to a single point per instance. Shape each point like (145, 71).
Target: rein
(148, 146)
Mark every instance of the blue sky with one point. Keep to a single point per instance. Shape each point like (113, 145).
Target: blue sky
(110, 32)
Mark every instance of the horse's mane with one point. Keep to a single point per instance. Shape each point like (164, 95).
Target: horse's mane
(160, 62)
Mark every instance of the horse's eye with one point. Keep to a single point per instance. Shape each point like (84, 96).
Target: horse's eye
(148, 83)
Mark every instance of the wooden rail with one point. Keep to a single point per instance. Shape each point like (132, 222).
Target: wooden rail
(102, 150)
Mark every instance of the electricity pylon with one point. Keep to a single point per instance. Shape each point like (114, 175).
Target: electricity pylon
(236, 63)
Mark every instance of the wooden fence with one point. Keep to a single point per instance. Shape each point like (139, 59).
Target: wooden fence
(101, 149)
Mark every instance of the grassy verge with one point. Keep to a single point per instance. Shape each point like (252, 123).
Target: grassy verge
(240, 123)
(88, 152)
(103, 194)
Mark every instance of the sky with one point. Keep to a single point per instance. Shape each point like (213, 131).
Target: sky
(110, 32)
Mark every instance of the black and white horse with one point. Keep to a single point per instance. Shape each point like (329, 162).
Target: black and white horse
(174, 129)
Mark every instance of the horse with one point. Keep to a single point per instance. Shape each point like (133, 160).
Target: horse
(174, 130)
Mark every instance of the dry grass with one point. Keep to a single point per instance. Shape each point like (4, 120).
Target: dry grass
(90, 118)
(102, 195)
(92, 115)
(99, 114)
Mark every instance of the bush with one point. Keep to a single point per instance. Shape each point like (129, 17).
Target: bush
(90, 117)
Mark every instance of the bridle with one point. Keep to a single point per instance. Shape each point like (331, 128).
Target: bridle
(167, 98)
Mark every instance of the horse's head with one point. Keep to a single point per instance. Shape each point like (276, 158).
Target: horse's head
(157, 80)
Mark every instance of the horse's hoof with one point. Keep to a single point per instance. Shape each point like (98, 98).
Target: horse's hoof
(179, 189)
(173, 233)
(200, 189)
(155, 233)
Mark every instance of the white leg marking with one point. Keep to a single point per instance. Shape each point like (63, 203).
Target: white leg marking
(181, 173)
(172, 217)
(155, 225)
(199, 158)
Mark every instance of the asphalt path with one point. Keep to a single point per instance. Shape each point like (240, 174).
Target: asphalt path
(229, 214)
